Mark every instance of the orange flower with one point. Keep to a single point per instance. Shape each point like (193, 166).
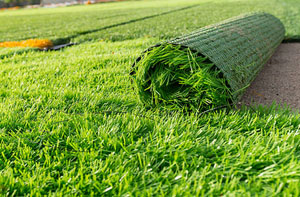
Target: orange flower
(34, 43)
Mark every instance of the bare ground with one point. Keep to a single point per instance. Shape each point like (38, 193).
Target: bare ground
(279, 80)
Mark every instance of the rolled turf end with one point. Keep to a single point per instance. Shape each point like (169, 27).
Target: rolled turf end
(177, 78)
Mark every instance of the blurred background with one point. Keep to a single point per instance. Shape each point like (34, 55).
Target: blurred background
(16, 4)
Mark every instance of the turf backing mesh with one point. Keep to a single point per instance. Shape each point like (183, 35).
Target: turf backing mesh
(239, 47)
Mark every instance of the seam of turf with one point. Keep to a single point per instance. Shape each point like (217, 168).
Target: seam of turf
(67, 39)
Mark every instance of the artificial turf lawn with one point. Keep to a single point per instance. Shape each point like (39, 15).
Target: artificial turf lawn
(62, 133)
(179, 79)
(47, 24)
(61, 130)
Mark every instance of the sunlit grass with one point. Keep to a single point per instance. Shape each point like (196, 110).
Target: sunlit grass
(71, 124)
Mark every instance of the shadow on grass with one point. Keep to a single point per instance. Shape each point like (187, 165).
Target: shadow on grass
(69, 38)
(17, 52)
(291, 39)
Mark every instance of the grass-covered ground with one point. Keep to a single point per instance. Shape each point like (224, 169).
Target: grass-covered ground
(71, 124)
(155, 18)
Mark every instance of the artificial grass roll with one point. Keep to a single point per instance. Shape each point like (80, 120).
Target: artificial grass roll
(179, 78)
(209, 67)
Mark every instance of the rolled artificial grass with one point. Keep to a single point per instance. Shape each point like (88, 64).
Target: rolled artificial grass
(179, 78)
(209, 67)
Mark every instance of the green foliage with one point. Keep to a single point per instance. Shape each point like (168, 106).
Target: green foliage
(179, 79)
(71, 124)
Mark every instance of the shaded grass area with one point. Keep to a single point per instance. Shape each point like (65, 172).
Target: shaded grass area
(179, 79)
(61, 133)
(10, 52)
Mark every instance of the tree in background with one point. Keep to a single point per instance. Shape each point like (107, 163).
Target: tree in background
(13, 3)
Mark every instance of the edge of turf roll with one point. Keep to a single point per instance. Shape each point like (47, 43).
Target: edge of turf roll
(178, 78)
(239, 47)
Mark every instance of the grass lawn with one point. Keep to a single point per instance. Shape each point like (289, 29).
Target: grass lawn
(71, 124)
(166, 19)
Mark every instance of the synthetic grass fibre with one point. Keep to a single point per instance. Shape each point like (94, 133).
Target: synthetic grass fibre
(177, 78)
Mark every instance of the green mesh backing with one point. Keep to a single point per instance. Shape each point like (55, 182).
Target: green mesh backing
(239, 46)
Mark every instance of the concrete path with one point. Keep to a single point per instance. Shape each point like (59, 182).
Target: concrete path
(279, 80)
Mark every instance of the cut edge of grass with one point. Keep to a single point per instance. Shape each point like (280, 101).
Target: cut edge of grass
(177, 78)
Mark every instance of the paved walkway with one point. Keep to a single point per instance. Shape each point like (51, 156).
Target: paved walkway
(279, 80)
